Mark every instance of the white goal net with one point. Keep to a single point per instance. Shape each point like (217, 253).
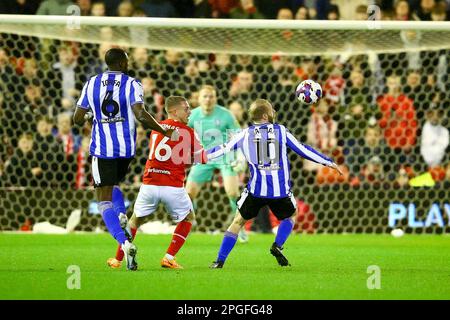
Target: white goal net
(384, 115)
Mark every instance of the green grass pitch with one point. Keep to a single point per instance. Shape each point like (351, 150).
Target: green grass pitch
(323, 267)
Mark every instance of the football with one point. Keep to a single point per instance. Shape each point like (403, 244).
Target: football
(308, 92)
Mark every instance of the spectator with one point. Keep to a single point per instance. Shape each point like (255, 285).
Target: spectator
(398, 119)
(106, 34)
(307, 69)
(142, 151)
(357, 90)
(269, 8)
(45, 141)
(438, 13)
(6, 72)
(98, 65)
(333, 12)
(153, 98)
(285, 14)
(170, 71)
(302, 13)
(402, 11)
(373, 171)
(388, 15)
(360, 151)
(54, 7)
(354, 122)
(239, 113)
(30, 71)
(83, 175)
(193, 99)
(19, 6)
(192, 78)
(361, 12)
(222, 8)
(402, 178)
(138, 12)
(334, 86)
(242, 87)
(326, 175)
(158, 8)
(85, 7)
(435, 138)
(140, 64)
(98, 9)
(420, 91)
(49, 153)
(24, 170)
(6, 142)
(172, 61)
(69, 141)
(33, 105)
(425, 10)
(286, 77)
(246, 10)
(411, 40)
(202, 9)
(66, 76)
(321, 132)
(125, 9)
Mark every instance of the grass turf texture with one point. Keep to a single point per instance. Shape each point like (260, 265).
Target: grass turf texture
(323, 267)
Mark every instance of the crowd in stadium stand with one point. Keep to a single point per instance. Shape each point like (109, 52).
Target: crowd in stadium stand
(383, 122)
(425, 10)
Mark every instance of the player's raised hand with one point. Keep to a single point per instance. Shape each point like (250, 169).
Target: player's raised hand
(335, 167)
(89, 116)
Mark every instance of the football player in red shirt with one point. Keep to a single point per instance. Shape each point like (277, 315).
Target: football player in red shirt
(164, 177)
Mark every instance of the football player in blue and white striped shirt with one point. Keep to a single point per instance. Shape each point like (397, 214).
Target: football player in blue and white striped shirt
(112, 100)
(264, 145)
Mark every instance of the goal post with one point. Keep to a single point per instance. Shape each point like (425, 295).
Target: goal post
(364, 67)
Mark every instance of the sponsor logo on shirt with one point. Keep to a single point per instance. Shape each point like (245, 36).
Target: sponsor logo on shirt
(153, 170)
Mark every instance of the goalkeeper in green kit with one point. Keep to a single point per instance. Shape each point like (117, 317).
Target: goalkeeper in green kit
(213, 124)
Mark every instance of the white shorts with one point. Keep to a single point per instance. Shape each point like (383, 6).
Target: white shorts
(176, 200)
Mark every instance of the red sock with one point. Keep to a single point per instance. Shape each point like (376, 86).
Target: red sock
(179, 237)
(119, 252)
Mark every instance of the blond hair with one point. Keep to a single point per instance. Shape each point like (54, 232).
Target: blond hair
(258, 109)
(173, 101)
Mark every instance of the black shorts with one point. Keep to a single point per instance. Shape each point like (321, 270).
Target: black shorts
(250, 205)
(109, 172)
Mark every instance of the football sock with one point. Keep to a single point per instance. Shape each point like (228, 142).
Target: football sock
(228, 242)
(284, 229)
(119, 252)
(179, 237)
(111, 220)
(169, 256)
(233, 204)
(118, 202)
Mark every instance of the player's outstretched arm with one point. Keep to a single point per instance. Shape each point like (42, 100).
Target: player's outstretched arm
(150, 123)
(232, 145)
(309, 152)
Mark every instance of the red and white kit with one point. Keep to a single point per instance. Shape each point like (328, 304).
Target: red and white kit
(165, 171)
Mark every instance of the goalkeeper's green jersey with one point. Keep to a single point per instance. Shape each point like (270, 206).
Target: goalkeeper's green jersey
(209, 127)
